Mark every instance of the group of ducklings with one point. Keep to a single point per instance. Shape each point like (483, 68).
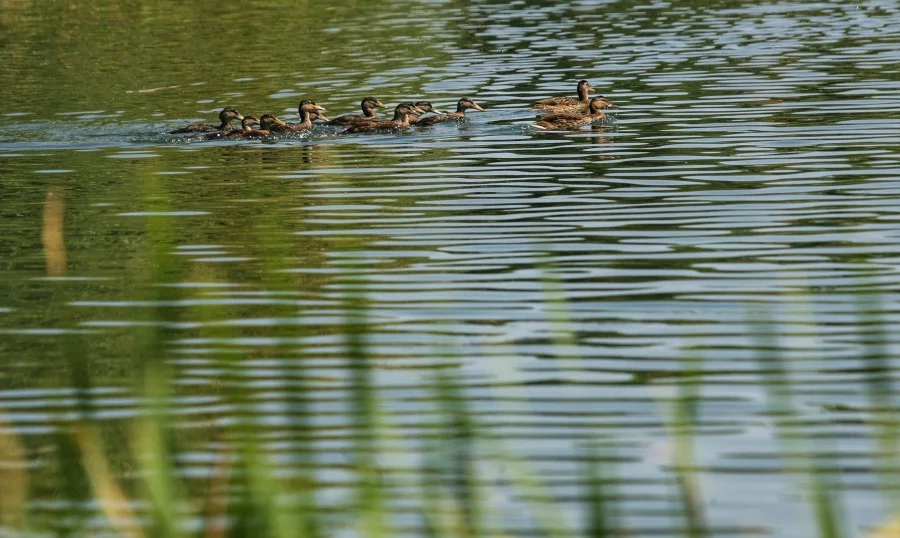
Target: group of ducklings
(559, 113)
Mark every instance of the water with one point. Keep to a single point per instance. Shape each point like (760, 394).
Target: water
(751, 170)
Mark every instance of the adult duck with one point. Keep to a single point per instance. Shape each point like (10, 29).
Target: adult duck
(574, 119)
(401, 120)
(227, 115)
(368, 105)
(462, 105)
(567, 104)
(424, 106)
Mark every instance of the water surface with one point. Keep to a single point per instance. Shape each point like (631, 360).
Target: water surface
(747, 184)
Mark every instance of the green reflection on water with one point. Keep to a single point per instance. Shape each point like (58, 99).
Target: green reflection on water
(61, 56)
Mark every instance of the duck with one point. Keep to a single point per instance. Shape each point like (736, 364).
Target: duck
(247, 123)
(268, 124)
(424, 106)
(461, 106)
(226, 116)
(368, 105)
(308, 110)
(567, 104)
(401, 119)
(570, 120)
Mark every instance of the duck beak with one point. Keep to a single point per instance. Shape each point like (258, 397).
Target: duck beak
(322, 117)
(591, 89)
(476, 107)
(239, 117)
(319, 108)
(379, 104)
(417, 110)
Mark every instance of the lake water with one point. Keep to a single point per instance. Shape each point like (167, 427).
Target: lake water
(751, 172)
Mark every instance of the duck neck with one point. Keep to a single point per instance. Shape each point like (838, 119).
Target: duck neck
(460, 108)
(305, 119)
(226, 124)
(369, 112)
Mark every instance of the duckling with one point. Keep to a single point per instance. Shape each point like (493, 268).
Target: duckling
(308, 111)
(247, 124)
(424, 106)
(368, 105)
(268, 124)
(461, 106)
(567, 104)
(570, 120)
(226, 116)
(401, 119)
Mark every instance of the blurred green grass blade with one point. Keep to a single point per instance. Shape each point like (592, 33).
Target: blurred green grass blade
(880, 391)
(460, 436)
(600, 495)
(370, 497)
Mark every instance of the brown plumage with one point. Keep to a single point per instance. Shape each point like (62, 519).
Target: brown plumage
(401, 119)
(267, 123)
(308, 111)
(424, 106)
(461, 106)
(247, 124)
(567, 104)
(571, 120)
(368, 105)
(226, 116)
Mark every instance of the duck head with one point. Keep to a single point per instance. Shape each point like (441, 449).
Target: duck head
(229, 114)
(248, 122)
(584, 88)
(370, 103)
(269, 122)
(425, 106)
(309, 106)
(466, 103)
(599, 103)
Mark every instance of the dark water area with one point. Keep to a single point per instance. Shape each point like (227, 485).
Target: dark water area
(741, 208)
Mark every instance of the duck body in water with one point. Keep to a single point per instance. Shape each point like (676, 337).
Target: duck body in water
(567, 104)
(247, 124)
(401, 120)
(572, 120)
(368, 105)
(226, 116)
(462, 105)
(424, 106)
(268, 124)
(308, 112)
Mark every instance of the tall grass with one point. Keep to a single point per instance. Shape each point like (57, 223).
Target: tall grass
(250, 492)
(247, 495)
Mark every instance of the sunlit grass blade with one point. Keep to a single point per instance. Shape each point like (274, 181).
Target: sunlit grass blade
(682, 429)
(215, 511)
(13, 478)
(113, 501)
